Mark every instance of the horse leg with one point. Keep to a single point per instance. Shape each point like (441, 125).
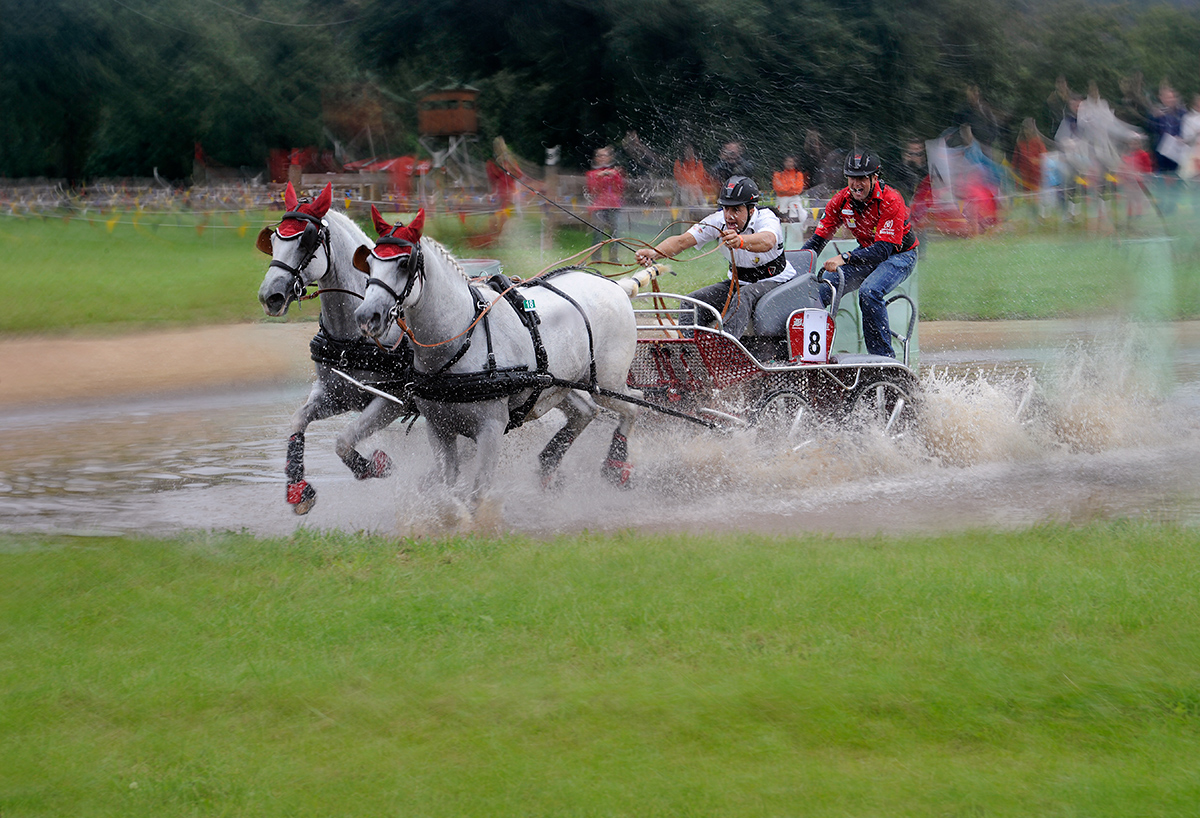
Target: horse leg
(617, 469)
(488, 434)
(579, 411)
(320, 404)
(451, 512)
(445, 450)
(379, 413)
(300, 495)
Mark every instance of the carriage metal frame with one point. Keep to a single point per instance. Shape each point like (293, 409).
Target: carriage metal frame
(698, 369)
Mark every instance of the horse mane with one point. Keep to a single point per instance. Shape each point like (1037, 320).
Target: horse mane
(343, 230)
(446, 255)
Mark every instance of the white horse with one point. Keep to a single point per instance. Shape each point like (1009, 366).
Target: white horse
(485, 363)
(314, 245)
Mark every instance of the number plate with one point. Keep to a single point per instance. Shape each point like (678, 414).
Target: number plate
(810, 335)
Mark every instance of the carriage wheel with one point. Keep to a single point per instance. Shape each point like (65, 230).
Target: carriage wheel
(884, 405)
(783, 418)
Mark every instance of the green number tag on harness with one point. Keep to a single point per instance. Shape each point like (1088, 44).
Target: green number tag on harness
(528, 304)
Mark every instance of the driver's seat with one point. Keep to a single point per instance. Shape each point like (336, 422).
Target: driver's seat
(772, 311)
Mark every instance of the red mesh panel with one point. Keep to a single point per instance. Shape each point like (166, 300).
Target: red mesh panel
(726, 362)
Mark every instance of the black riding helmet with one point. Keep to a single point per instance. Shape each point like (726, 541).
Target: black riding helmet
(861, 163)
(739, 190)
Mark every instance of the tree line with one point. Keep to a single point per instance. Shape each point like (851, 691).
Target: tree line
(104, 88)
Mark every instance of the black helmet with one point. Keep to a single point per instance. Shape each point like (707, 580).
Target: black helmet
(861, 163)
(738, 190)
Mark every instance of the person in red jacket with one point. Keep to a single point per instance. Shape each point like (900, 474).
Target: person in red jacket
(877, 217)
(606, 193)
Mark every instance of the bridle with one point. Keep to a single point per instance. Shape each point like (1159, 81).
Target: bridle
(415, 267)
(315, 236)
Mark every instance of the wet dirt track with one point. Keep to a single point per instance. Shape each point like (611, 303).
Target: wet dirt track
(1112, 431)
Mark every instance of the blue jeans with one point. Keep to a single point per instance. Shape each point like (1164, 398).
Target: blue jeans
(873, 285)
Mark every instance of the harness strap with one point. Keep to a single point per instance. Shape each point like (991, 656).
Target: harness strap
(395, 366)
(480, 307)
(494, 382)
(586, 323)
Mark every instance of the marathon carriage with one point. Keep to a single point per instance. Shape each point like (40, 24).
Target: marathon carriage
(796, 368)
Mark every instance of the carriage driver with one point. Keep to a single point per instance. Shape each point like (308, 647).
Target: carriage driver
(751, 239)
(887, 245)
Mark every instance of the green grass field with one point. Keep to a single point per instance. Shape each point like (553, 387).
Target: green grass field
(1049, 673)
(174, 270)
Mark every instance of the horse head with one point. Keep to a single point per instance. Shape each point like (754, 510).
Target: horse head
(395, 267)
(294, 246)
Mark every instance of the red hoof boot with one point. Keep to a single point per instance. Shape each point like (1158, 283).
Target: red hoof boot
(381, 464)
(301, 496)
(617, 472)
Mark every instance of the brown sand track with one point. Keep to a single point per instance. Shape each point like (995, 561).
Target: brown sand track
(52, 369)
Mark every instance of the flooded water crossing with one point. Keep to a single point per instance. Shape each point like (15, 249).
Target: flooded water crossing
(1021, 422)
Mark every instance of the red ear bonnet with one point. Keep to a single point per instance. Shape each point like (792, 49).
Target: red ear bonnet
(317, 208)
(410, 232)
(381, 225)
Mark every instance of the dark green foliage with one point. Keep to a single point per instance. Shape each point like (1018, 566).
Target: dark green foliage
(92, 88)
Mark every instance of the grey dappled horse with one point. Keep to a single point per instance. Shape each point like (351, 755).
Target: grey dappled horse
(485, 363)
(314, 245)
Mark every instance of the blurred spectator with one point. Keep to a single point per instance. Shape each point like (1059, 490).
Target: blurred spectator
(1068, 126)
(642, 161)
(1073, 162)
(911, 170)
(1165, 126)
(812, 155)
(506, 177)
(1055, 174)
(1137, 157)
(1134, 107)
(1189, 132)
(692, 181)
(1059, 103)
(980, 201)
(644, 166)
(911, 178)
(973, 152)
(985, 127)
(788, 185)
(731, 163)
(606, 191)
(1136, 163)
(1027, 156)
(1102, 133)
(831, 172)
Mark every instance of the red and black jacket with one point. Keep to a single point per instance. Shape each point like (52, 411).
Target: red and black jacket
(880, 224)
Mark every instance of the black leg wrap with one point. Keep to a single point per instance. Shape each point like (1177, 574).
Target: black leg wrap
(358, 464)
(295, 458)
(619, 450)
(552, 455)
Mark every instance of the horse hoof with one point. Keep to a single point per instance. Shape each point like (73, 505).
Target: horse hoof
(301, 496)
(618, 473)
(380, 465)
